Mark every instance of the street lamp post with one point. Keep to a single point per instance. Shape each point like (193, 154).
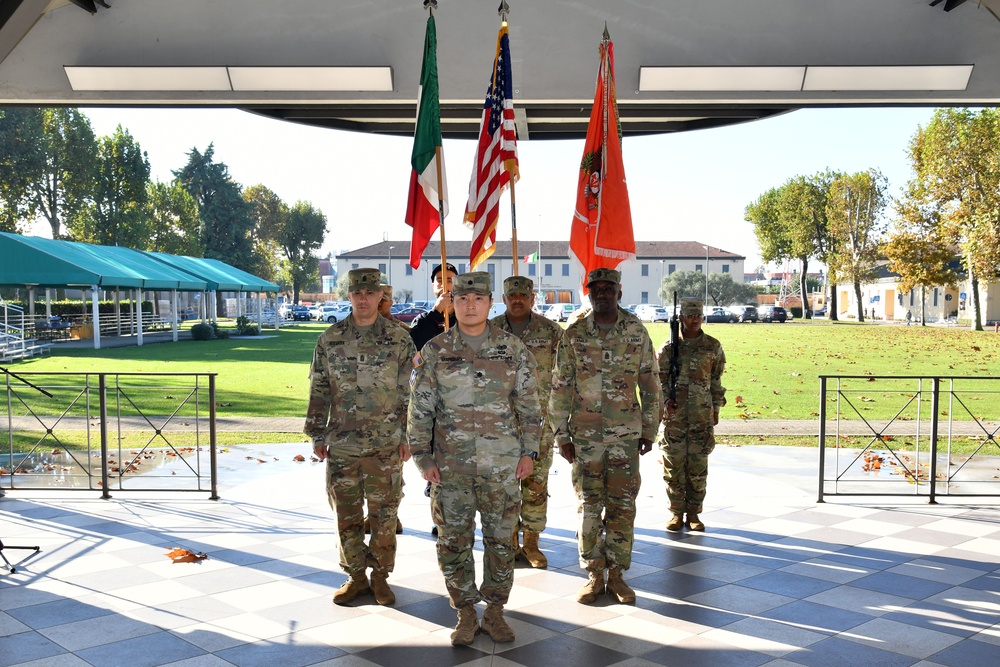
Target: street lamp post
(660, 288)
(706, 275)
(389, 277)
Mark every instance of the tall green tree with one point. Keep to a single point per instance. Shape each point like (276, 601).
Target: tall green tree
(855, 206)
(118, 212)
(956, 163)
(270, 216)
(174, 227)
(224, 214)
(915, 247)
(790, 224)
(300, 238)
(722, 289)
(21, 162)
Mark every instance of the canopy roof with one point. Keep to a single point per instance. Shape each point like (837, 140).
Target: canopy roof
(42, 262)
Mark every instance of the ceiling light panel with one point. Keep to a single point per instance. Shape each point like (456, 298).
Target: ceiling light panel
(148, 78)
(705, 79)
(323, 79)
(918, 77)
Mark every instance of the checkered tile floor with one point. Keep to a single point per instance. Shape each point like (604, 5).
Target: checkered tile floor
(777, 579)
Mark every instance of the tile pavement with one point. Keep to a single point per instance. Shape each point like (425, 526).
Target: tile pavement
(777, 580)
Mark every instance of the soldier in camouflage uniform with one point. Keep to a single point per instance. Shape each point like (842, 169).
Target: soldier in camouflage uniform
(359, 388)
(604, 407)
(475, 394)
(385, 308)
(541, 335)
(687, 434)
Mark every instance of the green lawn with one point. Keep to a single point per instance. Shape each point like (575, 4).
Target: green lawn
(772, 368)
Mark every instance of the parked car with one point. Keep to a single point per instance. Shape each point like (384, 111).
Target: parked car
(772, 314)
(398, 307)
(648, 312)
(744, 313)
(409, 314)
(300, 313)
(543, 308)
(560, 312)
(716, 315)
(333, 313)
(426, 305)
(820, 312)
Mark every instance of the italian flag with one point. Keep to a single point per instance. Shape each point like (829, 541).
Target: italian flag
(533, 257)
(425, 194)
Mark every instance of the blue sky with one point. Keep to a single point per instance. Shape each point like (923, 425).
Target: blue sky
(690, 186)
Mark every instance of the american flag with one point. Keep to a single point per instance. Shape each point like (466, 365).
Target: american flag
(496, 157)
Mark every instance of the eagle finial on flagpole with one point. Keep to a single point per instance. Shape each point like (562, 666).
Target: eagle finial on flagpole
(503, 10)
(430, 5)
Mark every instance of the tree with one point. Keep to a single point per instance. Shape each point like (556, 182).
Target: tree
(21, 161)
(54, 154)
(915, 248)
(342, 290)
(855, 203)
(722, 289)
(301, 236)
(118, 213)
(224, 215)
(790, 223)
(956, 165)
(270, 216)
(174, 227)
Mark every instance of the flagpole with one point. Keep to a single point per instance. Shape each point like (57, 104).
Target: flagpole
(513, 227)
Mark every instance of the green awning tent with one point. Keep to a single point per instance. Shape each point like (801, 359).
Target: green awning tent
(217, 275)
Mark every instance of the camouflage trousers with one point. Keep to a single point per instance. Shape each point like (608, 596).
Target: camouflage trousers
(685, 470)
(350, 482)
(606, 479)
(535, 487)
(454, 503)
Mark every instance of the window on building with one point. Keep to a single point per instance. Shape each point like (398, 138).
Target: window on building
(644, 297)
(699, 268)
(671, 268)
(463, 268)
(725, 268)
(531, 270)
(548, 269)
(645, 270)
(354, 266)
(492, 268)
(911, 297)
(935, 296)
(409, 270)
(565, 269)
(381, 267)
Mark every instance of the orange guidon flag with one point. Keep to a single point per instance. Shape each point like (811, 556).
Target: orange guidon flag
(601, 236)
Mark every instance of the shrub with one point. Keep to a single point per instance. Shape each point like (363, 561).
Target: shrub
(202, 331)
(796, 312)
(245, 326)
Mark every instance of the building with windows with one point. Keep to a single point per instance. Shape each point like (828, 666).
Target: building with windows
(556, 276)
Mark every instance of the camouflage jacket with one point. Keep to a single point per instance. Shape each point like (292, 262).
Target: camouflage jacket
(605, 389)
(359, 387)
(480, 409)
(541, 337)
(699, 381)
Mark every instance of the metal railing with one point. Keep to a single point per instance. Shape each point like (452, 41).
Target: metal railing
(924, 436)
(110, 432)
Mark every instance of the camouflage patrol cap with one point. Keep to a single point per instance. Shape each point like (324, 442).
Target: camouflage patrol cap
(518, 285)
(387, 293)
(692, 306)
(477, 281)
(606, 275)
(359, 279)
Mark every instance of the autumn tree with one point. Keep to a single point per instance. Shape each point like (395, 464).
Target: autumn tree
(118, 212)
(790, 223)
(854, 212)
(174, 227)
(270, 216)
(915, 247)
(300, 238)
(956, 165)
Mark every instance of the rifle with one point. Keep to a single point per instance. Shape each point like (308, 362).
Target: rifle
(675, 344)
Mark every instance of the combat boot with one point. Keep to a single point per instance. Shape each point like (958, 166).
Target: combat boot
(590, 590)
(618, 587)
(694, 523)
(352, 588)
(380, 589)
(531, 552)
(495, 625)
(676, 523)
(467, 628)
